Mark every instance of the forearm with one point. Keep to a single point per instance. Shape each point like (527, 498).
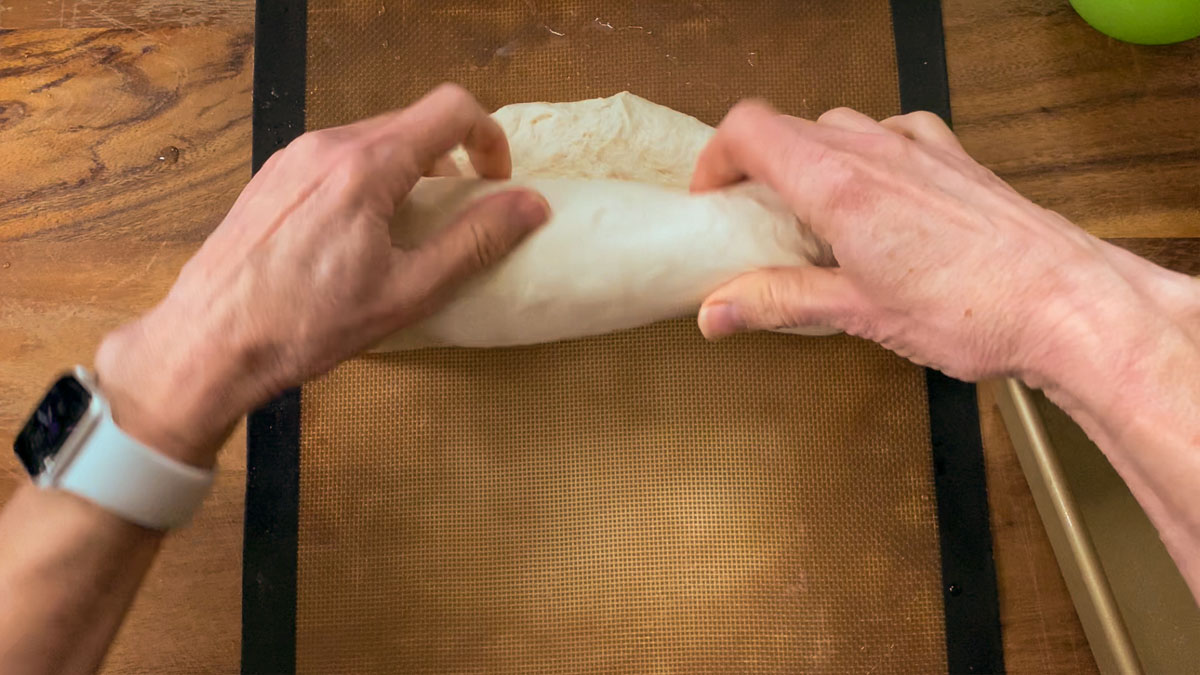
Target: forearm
(1128, 371)
(68, 573)
(301, 275)
(70, 569)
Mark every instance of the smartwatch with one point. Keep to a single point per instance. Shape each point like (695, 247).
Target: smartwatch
(71, 443)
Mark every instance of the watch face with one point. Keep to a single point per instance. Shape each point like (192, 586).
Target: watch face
(44, 434)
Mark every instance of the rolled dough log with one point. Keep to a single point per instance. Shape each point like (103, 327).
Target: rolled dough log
(626, 244)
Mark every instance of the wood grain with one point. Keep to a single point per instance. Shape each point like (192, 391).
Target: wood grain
(94, 226)
(125, 14)
(122, 150)
(1101, 131)
(110, 124)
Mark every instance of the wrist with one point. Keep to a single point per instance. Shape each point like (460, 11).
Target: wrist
(1091, 339)
(172, 390)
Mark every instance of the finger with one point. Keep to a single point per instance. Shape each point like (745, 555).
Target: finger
(794, 157)
(449, 116)
(408, 142)
(925, 127)
(483, 234)
(780, 297)
(443, 166)
(849, 119)
(720, 163)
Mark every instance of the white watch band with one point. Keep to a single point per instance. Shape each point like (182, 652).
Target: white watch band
(120, 474)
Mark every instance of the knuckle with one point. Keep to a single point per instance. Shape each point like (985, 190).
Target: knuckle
(740, 110)
(315, 144)
(746, 114)
(835, 114)
(451, 93)
(485, 246)
(774, 307)
(924, 118)
(349, 172)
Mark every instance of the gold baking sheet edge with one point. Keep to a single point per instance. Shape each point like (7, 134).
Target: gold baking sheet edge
(1087, 583)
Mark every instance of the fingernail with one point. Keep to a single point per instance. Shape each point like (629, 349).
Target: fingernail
(720, 320)
(532, 208)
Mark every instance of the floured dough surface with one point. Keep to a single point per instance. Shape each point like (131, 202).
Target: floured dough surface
(626, 244)
(622, 137)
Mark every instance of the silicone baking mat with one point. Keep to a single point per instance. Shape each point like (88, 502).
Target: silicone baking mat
(643, 501)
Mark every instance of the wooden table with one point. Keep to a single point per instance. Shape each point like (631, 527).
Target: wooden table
(125, 136)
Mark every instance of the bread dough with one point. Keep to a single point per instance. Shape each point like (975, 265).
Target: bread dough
(617, 254)
(626, 244)
(623, 137)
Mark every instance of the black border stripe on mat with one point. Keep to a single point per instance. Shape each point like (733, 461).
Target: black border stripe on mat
(973, 641)
(921, 56)
(273, 432)
(969, 595)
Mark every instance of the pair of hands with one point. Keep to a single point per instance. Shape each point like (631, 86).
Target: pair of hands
(939, 260)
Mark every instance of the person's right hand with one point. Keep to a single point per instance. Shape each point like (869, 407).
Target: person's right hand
(939, 260)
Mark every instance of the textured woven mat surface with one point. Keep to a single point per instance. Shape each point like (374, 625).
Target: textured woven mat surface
(637, 502)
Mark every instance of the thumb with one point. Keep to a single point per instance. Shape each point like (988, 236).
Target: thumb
(778, 297)
(478, 238)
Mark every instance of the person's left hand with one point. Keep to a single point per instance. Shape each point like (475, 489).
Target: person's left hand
(302, 274)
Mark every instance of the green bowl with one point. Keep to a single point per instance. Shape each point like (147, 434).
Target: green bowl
(1143, 22)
